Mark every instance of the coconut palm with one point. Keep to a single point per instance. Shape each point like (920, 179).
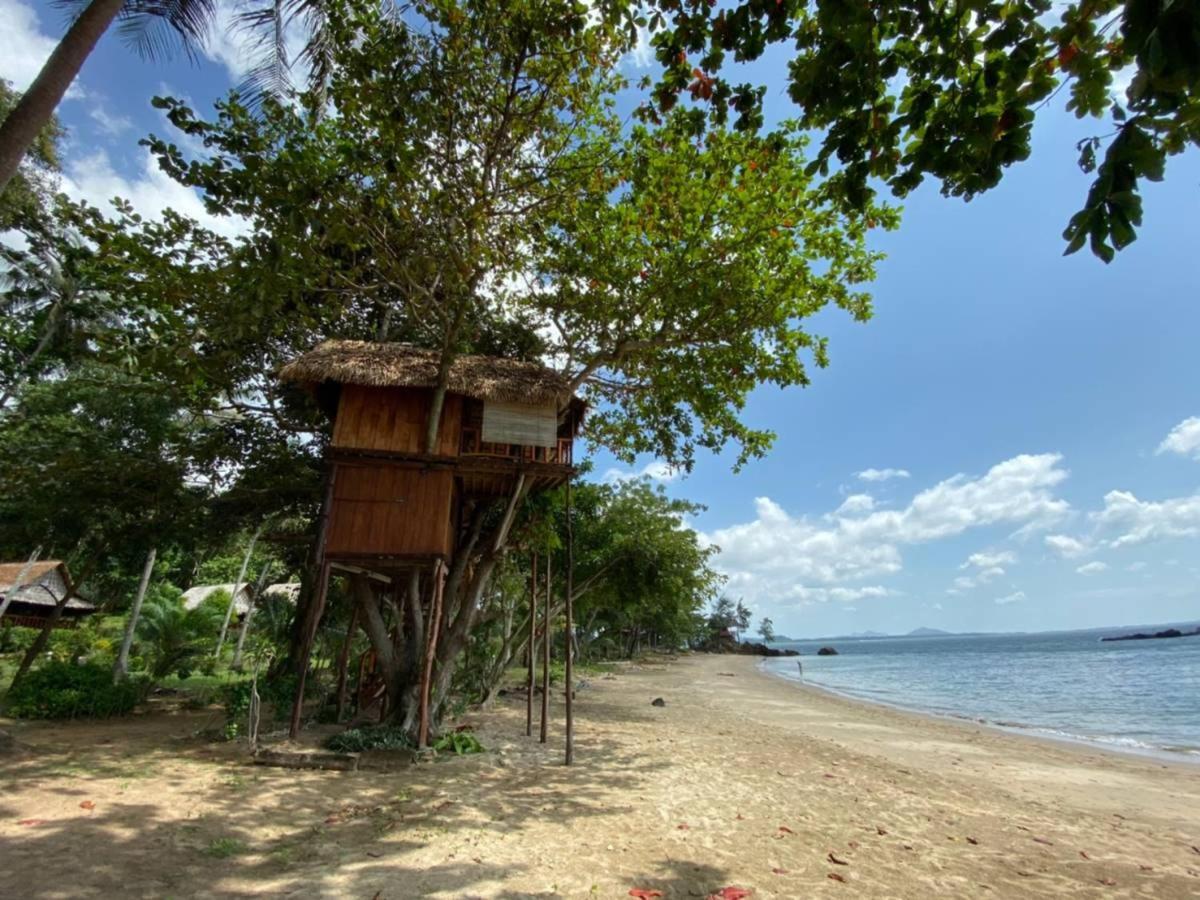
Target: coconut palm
(154, 28)
(151, 26)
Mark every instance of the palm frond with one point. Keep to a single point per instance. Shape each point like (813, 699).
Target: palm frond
(156, 28)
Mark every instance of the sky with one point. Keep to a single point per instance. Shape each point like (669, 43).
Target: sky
(1011, 443)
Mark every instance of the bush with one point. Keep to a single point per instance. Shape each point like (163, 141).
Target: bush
(460, 743)
(63, 690)
(276, 693)
(370, 737)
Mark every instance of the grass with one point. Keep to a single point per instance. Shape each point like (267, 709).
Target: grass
(225, 847)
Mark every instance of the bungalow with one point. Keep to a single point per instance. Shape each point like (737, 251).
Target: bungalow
(193, 597)
(33, 602)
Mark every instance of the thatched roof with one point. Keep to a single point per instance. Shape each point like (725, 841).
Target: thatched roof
(40, 587)
(402, 365)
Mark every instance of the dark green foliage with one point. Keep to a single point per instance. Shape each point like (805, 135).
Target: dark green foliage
(370, 737)
(63, 690)
(276, 693)
(460, 743)
(904, 89)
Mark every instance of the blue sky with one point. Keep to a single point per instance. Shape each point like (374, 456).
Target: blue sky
(1039, 413)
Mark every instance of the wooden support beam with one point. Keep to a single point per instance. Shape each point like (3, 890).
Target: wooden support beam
(569, 668)
(546, 656)
(439, 584)
(344, 662)
(532, 644)
(310, 634)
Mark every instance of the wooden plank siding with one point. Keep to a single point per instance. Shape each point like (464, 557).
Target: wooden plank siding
(389, 510)
(393, 419)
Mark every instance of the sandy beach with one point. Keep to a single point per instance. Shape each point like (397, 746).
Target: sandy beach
(741, 780)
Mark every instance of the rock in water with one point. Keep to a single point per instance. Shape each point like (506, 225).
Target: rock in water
(827, 651)
(658, 701)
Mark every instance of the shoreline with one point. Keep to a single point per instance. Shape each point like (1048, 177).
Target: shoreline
(1188, 758)
(737, 779)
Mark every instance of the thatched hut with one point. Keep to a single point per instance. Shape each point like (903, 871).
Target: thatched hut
(33, 601)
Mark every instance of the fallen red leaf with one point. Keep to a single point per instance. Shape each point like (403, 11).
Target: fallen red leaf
(829, 775)
(972, 840)
(32, 821)
(644, 893)
(87, 804)
(838, 862)
(879, 829)
(1108, 881)
(836, 877)
(1083, 853)
(779, 871)
(683, 826)
(740, 817)
(730, 893)
(786, 830)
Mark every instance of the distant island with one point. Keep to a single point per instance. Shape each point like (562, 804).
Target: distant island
(928, 632)
(1143, 636)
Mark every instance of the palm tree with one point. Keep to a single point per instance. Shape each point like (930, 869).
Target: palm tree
(150, 25)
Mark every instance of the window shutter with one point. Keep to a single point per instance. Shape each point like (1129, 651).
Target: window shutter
(520, 423)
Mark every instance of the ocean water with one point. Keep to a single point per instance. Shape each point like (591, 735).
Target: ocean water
(1140, 696)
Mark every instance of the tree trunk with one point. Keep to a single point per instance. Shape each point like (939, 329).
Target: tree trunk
(39, 643)
(568, 649)
(237, 587)
(344, 663)
(19, 580)
(121, 666)
(37, 105)
(236, 664)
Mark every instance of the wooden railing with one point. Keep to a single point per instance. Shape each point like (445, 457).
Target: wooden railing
(473, 445)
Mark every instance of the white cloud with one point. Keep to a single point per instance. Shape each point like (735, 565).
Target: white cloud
(881, 474)
(990, 559)
(1093, 568)
(766, 558)
(655, 470)
(1135, 567)
(642, 54)
(1140, 521)
(1015, 597)
(24, 48)
(110, 124)
(856, 504)
(92, 178)
(1184, 439)
(1066, 546)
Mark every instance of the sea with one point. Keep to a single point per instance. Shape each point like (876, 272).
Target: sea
(1137, 696)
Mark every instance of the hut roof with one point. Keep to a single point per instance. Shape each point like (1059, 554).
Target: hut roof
(194, 596)
(39, 587)
(402, 365)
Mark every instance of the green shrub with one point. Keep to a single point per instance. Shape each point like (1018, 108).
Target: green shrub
(275, 693)
(460, 743)
(370, 737)
(63, 690)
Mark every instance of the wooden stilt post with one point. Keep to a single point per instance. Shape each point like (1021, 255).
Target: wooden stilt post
(310, 635)
(568, 666)
(316, 607)
(344, 662)
(435, 623)
(546, 655)
(532, 643)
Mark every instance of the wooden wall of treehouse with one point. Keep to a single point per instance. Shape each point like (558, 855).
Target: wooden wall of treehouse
(393, 419)
(381, 509)
(387, 509)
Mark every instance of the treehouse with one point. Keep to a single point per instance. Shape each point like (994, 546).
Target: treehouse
(394, 505)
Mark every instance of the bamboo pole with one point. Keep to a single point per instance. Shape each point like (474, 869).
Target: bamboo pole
(439, 582)
(344, 662)
(121, 666)
(19, 582)
(532, 645)
(236, 664)
(567, 650)
(237, 587)
(546, 656)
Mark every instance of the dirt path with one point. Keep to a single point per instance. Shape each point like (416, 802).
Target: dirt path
(740, 780)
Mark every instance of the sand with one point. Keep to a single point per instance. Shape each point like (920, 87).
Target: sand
(741, 780)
